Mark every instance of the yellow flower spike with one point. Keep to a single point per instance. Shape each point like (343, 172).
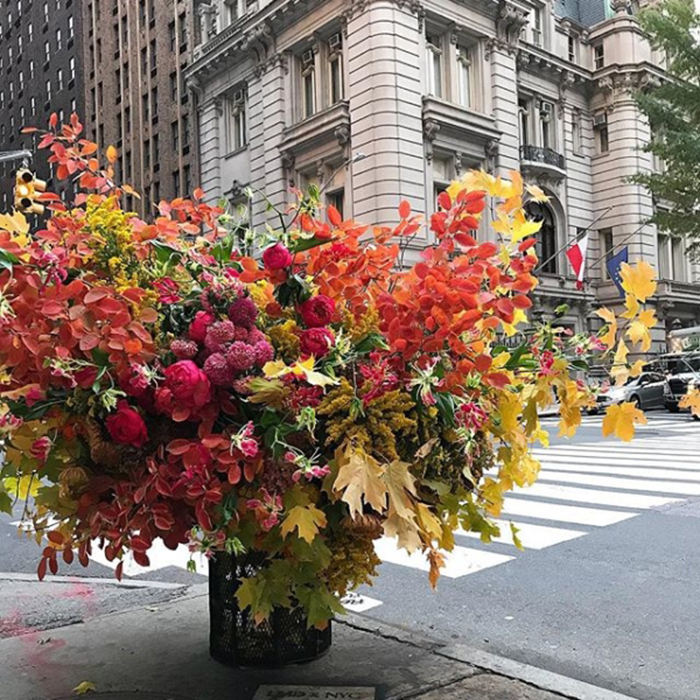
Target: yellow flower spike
(638, 279)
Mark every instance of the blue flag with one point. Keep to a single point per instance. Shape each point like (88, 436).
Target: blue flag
(614, 265)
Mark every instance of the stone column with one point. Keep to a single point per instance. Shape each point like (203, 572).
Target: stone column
(211, 146)
(385, 95)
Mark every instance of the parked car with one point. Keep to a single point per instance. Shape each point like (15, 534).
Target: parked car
(682, 370)
(648, 390)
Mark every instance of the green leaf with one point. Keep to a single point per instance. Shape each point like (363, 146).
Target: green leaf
(165, 254)
(7, 260)
(100, 357)
(516, 540)
(5, 502)
(302, 244)
(373, 341)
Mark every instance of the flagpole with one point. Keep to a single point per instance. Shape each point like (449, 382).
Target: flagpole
(617, 245)
(579, 236)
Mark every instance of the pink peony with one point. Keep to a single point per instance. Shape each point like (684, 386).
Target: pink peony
(184, 349)
(188, 383)
(126, 426)
(317, 311)
(243, 312)
(198, 327)
(277, 257)
(240, 356)
(218, 370)
(316, 341)
(264, 352)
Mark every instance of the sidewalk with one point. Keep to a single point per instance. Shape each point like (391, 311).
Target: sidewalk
(159, 651)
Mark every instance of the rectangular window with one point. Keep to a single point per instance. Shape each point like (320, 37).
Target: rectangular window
(434, 61)
(573, 49)
(524, 112)
(464, 77)
(71, 29)
(146, 155)
(606, 241)
(336, 78)
(144, 107)
(175, 136)
(59, 79)
(537, 26)
(48, 91)
(308, 83)
(546, 125)
(173, 86)
(144, 60)
(600, 126)
(678, 259)
(188, 179)
(664, 261)
(154, 59)
(183, 31)
(71, 68)
(185, 130)
(154, 102)
(237, 121)
(47, 52)
(576, 142)
(173, 37)
(176, 182)
(598, 57)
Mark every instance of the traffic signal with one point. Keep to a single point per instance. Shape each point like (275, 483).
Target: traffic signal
(26, 187)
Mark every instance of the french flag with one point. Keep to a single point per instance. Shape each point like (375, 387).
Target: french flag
(577, 257)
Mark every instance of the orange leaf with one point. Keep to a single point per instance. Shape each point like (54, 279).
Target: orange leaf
(404, 209)
(334, 216)
(111, 155)
(53, 120)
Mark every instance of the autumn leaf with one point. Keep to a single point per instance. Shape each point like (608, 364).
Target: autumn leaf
(620, 419)
(536, 193)
(632, 306)
(111, 155)
(611, 335)
(84, 687)
(436, 561)
(24, 487)
(638, 332)
(691, 400)
(638, 279)
(637, 368)
(359, 479)
(308, 520)
(399, 484)
(619, 371)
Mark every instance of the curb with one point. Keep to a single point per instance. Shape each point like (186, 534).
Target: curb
(531, 675)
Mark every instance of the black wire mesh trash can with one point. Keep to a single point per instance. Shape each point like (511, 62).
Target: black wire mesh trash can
(235, 639)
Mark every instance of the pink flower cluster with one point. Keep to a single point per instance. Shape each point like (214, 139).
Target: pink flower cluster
(471, 416)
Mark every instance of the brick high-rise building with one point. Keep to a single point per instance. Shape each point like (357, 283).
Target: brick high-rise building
(40, 73)
(135, 54)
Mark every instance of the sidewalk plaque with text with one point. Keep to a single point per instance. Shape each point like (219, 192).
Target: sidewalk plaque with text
(312, 692)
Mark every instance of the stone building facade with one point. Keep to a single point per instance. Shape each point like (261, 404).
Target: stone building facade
(292, 92)
(40, 73)
(135, 54)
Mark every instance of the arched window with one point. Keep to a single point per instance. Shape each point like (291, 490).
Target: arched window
(547, 237)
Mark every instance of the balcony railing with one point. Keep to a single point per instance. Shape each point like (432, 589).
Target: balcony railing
(537, 154)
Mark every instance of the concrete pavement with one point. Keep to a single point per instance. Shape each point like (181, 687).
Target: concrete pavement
(163, 649)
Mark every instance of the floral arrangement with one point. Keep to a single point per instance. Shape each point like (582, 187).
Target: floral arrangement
(159, 383)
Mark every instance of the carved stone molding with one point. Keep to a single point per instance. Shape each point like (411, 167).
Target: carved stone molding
(342, 134)
(358, 7)
(278, 60)
(509, 22)
(491, 153)
(431, 128)
(237, 189)
(207, 20)
(619, 7)
(194, 86)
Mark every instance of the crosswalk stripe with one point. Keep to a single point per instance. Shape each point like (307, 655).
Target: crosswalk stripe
(566, 514)
(593, 497)
(459, 562)
(160, 557)
(551, 468)
(531, 536)
(543, 456)
(672, 487)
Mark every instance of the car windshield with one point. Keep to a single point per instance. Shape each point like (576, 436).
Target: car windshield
(686, 364)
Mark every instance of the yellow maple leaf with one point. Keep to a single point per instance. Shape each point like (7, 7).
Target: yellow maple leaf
(632, 306)
(84, 687)
(522, 227)
(437, 561)
(307, 520)
(637, 368)
(536, 193)
(691, 400)
(620, 419)
(399, 484)
(610, 319)
(639, 329)
(638, 279)
(619, 371)
(404, 529)
(23, 487)
(359, 479)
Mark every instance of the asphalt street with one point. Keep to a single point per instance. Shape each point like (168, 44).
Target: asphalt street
(605, 592)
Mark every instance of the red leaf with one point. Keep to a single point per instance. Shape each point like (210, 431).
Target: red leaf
(482, 363)
(118, 572)
(178, 447)
(95, 295)
(444, 200)
(404, 209)
(29, 130)
(55, 537)
(141, 559)
(53, 565)
(334, 216)
(68, 555)
(41, 569)
(53, 120)
(198, 193)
